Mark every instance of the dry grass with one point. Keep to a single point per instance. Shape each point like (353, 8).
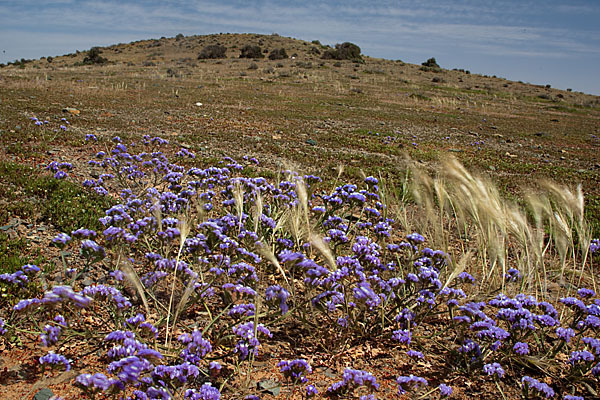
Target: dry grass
(464, 213)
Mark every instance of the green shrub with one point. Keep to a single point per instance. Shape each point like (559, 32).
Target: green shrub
(344, 51)
(431, 63)
(278, 54)
(212, 51)
(251, 51)
(93, 57)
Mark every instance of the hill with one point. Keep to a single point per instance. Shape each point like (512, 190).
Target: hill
(314, 113)
(183, 246)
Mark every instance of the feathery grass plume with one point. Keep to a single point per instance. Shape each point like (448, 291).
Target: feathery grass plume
(258, 210)
(397, 202)
(563, 238)
(457, 267)
(317, 242)
(157, 213)
(268, 254)
(238, 195)
(423, 194)
(189, 289)
(303, 197)
(134, 279)
(184, 230)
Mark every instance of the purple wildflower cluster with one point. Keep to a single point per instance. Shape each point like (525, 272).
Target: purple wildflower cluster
(295, 370)
(202, 235)
(353, 379)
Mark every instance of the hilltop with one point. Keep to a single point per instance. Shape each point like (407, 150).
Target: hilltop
(312, 113)
(180, 208)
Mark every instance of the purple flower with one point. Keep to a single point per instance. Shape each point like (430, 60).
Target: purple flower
(565, 333)
(414, 354)
(415, 238)
(406, 383)
(572, 397)
(540, 387)
(445, 390)
(59, 294)
(278, 293)
(295, 370)
(2, 330)
(197, 347)
(206, 392)
(585, 293)
(106, 292)
(466, 277)
(493, 369)
(311, 391)
(97, 381)
(521, 348)
(581, 356)
(513, 275)
(53, 358)
(61, 240)
(353, 378)
(402, 335)
(26, 303)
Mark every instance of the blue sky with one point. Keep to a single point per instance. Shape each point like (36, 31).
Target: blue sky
(544, 42)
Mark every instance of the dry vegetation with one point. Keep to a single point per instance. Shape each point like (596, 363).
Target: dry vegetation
(496, 174)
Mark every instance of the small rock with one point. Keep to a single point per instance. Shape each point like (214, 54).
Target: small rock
(18, 128)
(563, 158)
(269, 386)
(71, 110)
(311, 142)
(87, 281)
(44, 394)
(330, 373)
(199, 104)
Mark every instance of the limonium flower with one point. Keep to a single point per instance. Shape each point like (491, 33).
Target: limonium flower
(414, 354)
(97, 381)
(493, 369)
(295, 370)
(402, 335)
(581, 356)
(539, 387)
(205, 392)
(277, 293)
(585, 293)
(410, 382)
(311, 391)
(565, 333)
(521, 348)
(351, 379)
(445, 390)
(52, 358)
(61, 240)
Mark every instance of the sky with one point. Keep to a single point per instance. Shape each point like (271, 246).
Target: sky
(542, 42)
